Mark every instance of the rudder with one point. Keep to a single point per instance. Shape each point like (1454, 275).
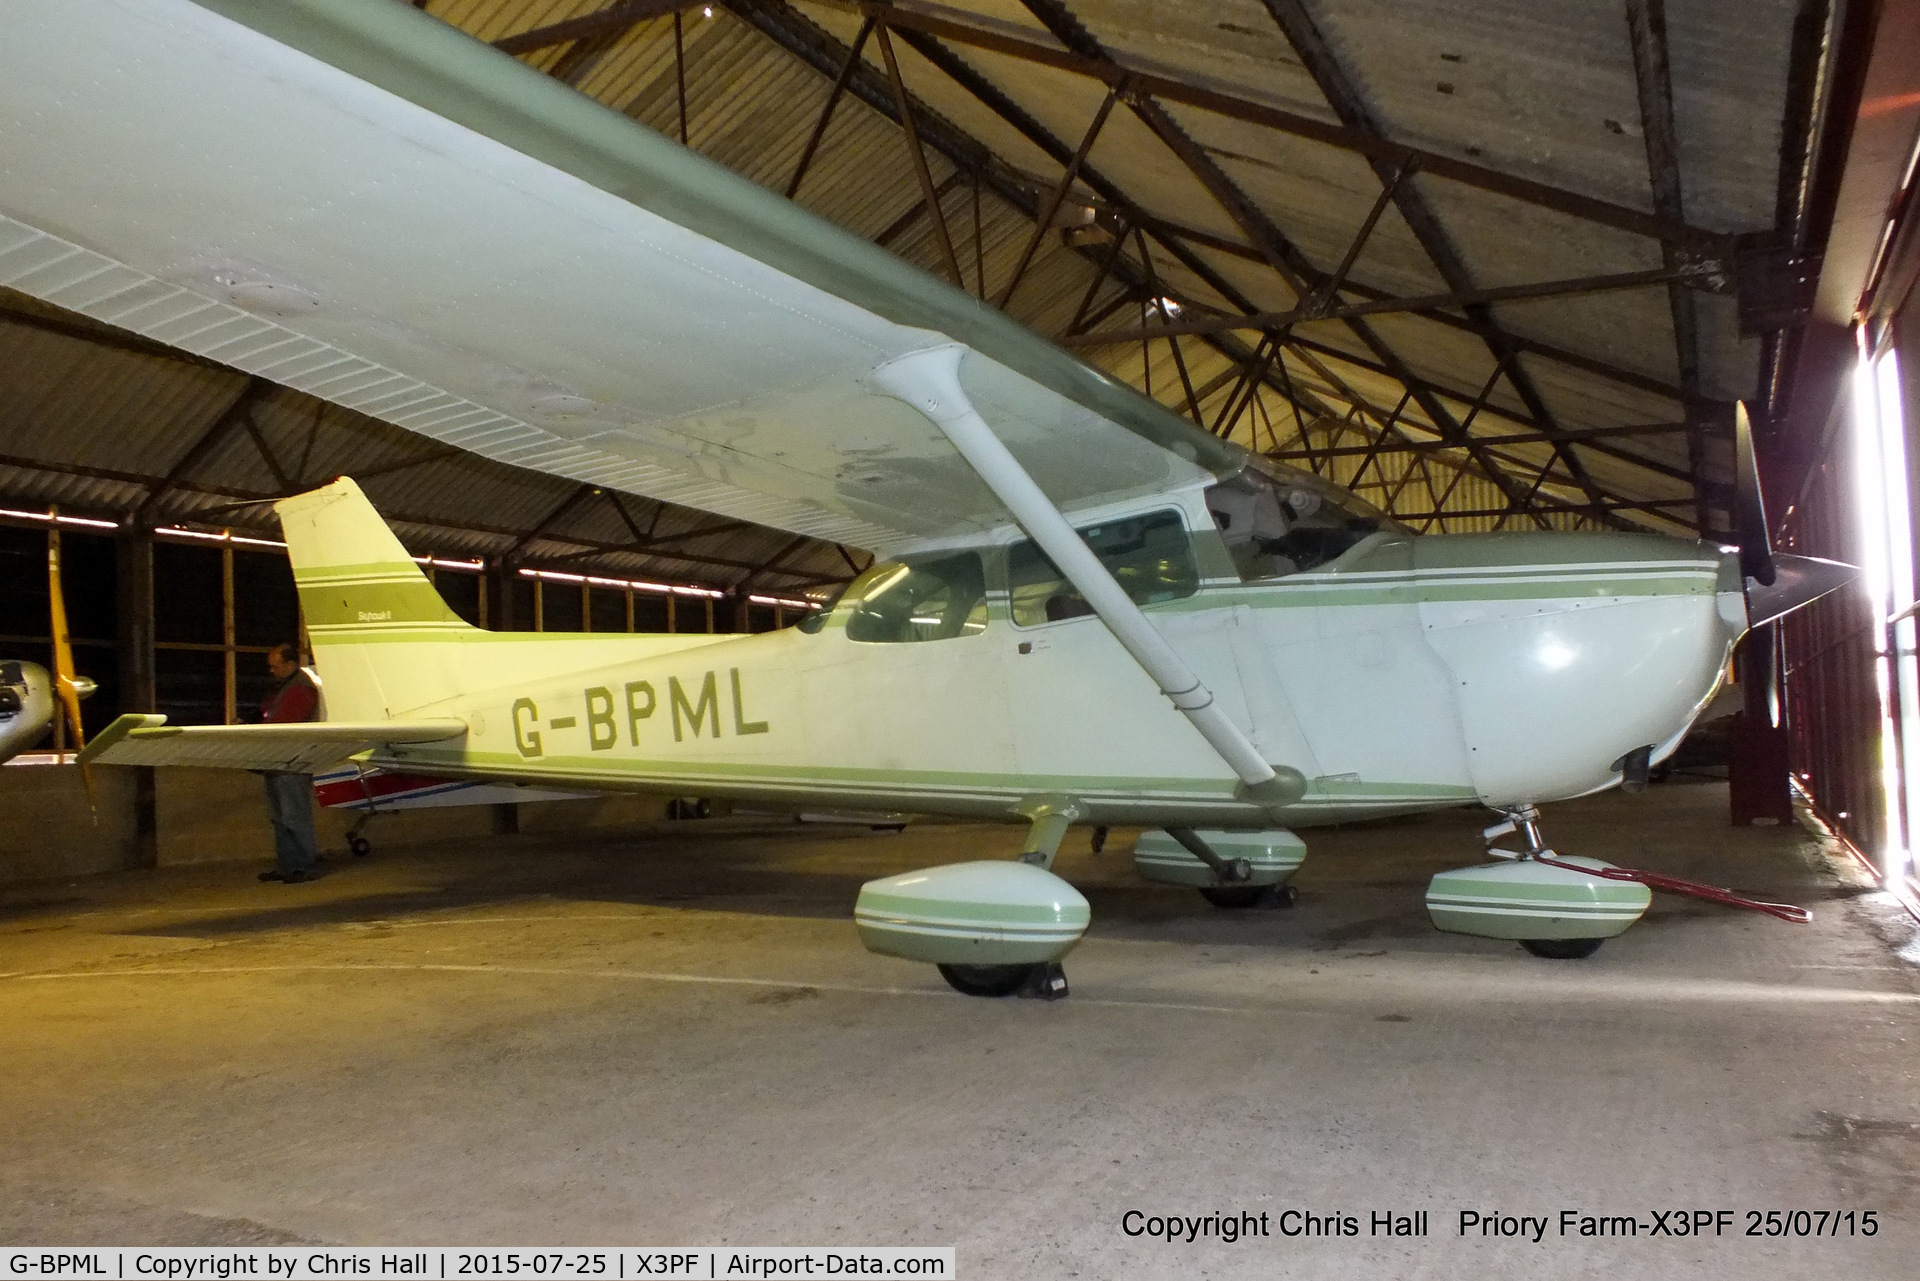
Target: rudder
(378, 626)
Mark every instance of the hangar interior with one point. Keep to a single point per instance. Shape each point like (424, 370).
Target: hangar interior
(1488, 268)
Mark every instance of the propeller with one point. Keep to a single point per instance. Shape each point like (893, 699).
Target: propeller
(1749, 505)
(68, 687)
(1776, 585)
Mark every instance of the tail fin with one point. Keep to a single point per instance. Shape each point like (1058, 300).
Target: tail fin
(379, 629)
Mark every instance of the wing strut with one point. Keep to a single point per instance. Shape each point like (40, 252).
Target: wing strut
(929, 381)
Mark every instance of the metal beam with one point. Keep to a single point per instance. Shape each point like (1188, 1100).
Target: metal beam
(900, 226)
(767, 566)
(567, 504)
(236, 411)
(615, 17)
(826, 112)
(1324, 295)
(280, 477)
(1169, 233)
(1653, 77)
(919, 157)
(1054, 198)
(1278, 252)
(646, 544)
(1344, 97)
(1580, 509)
(1516, 438)
(1346, 137)
(680, 75)
(1266, 320)
(1511, 415)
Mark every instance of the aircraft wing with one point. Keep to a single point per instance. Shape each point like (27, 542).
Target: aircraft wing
(146, 739)
(351, 198)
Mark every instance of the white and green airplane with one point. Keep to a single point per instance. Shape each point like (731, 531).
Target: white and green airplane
(1084, 611)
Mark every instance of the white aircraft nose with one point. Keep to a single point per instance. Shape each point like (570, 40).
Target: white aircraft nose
(1569, 652)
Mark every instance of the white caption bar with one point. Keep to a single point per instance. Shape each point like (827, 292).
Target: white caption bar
(461, 1263)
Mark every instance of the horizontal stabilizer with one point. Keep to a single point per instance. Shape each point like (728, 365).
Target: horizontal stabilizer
(146, 739)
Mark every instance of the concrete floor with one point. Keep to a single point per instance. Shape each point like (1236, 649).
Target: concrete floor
(676, 1039)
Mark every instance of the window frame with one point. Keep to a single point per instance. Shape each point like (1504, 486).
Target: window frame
(844, 609)
(1182, 517)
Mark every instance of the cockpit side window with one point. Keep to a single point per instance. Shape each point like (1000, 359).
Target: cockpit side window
(1150, 557)
(1273, 528)
(928, 600)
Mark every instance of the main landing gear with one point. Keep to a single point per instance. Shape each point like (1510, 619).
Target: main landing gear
(991, 928)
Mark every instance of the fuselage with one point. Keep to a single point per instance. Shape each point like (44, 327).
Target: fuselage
(26, 706)
(1407, 674)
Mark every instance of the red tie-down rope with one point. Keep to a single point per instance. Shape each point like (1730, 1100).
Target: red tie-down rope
(1693, 889)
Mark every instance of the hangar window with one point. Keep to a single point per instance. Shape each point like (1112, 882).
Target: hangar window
(926, 600)
(1149, 556)
(1275, 527)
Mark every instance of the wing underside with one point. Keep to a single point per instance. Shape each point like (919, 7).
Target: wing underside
(356, 201)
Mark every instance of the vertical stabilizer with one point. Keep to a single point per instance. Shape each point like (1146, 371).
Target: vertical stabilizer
(380, 631)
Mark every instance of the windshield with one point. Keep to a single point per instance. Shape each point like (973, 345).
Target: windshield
(1275, 526)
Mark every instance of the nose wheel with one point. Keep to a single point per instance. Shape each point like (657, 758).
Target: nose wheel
(1562, 949)
(1523, 897)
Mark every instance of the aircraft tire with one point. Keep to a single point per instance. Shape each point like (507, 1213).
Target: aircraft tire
(1562, 949)
(1245, 896)
(985, 980)
(360, 846)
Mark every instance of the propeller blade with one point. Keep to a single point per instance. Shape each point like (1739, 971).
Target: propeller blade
(1749, 506)
(1797, 581)
(1759, 669)
(68, 686)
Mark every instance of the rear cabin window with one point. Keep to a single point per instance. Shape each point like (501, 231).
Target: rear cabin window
(929, 600)
(1149, 556)
(1273, 528)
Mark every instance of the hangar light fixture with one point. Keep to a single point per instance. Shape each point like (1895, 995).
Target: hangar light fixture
(50, 518)
(635, 584)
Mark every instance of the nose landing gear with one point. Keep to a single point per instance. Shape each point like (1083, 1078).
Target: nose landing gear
(1558, 908)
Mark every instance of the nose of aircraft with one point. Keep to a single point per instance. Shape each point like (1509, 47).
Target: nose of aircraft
(1797, 581)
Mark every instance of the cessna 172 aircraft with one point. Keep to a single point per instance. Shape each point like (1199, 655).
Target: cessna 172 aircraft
(1084, 611)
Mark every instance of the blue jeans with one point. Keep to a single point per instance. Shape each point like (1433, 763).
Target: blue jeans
(290, 804)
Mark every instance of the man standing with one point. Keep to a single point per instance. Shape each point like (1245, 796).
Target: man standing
(293, 698)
